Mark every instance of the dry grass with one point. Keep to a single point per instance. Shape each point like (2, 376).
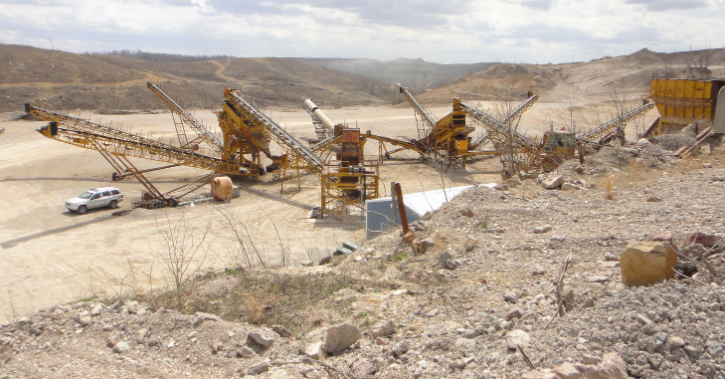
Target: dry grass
(299, 301)
(608, 188)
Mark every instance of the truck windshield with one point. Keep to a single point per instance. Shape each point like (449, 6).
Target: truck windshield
(85, 195)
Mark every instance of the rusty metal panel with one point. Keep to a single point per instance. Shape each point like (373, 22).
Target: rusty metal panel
(350, 135)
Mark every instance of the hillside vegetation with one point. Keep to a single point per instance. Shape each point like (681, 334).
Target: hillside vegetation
(61, 80)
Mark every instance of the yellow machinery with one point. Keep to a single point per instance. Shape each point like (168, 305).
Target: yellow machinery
(346, 183)
(116, 146)
(347, 180)
(522, 156)
(681, 102)
(247, 132)
(447, 138)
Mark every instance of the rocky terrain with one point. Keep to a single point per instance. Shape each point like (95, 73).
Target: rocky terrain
(495, 278)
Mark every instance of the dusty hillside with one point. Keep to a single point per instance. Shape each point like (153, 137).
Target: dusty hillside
(630, 74)
(416, 74)
(69, 81)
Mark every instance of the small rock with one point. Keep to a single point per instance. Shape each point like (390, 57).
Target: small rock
(706, 240)
(153, 342)
(310, 372)
(514, 314)
(84, 318)
(460, 364)
(383, 329)
(200, 317)
(340, 337)
(258, 368)
(432, 313)
(538, 271)
(393, 273)
(570, 187)
(517, 338)
(216, 347)
(707, 165)
(282, 331)
(511, 297)
(97, 309)
(234, 369)
(401, 348)
(645, 263)
(307, 263)
(325, 260)
(316, 351)
(553, 183)
(676, 341)
(364, 368)
(261, 339)
(661, 338)
(121, 347)
(446, 261)
(714, 348)
(246, 352)
(598, 279)
(135, 308)
(654, 199)
(467, 213)
(141, 335)
(421, 246)
(543, 229)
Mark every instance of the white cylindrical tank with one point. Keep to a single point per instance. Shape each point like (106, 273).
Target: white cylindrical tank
(326, 122)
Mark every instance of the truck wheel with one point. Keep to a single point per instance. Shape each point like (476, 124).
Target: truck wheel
(82, 209)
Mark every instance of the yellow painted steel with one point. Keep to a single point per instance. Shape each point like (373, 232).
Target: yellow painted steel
(681, 102)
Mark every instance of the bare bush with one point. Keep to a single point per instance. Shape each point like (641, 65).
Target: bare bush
(180, 245)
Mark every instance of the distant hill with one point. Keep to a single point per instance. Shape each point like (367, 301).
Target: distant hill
(416, 74)
(62, 80)
(628, 74)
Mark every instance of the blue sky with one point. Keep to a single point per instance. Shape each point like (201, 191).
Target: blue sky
(450, 31)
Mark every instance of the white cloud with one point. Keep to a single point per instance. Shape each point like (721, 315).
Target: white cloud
(444, 31)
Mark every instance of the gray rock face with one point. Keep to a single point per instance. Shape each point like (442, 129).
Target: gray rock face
(340, 337)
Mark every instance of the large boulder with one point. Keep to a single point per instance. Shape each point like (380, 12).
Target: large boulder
(645, 263)
(340, 337)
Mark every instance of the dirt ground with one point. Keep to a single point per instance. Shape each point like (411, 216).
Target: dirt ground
(54, 256)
